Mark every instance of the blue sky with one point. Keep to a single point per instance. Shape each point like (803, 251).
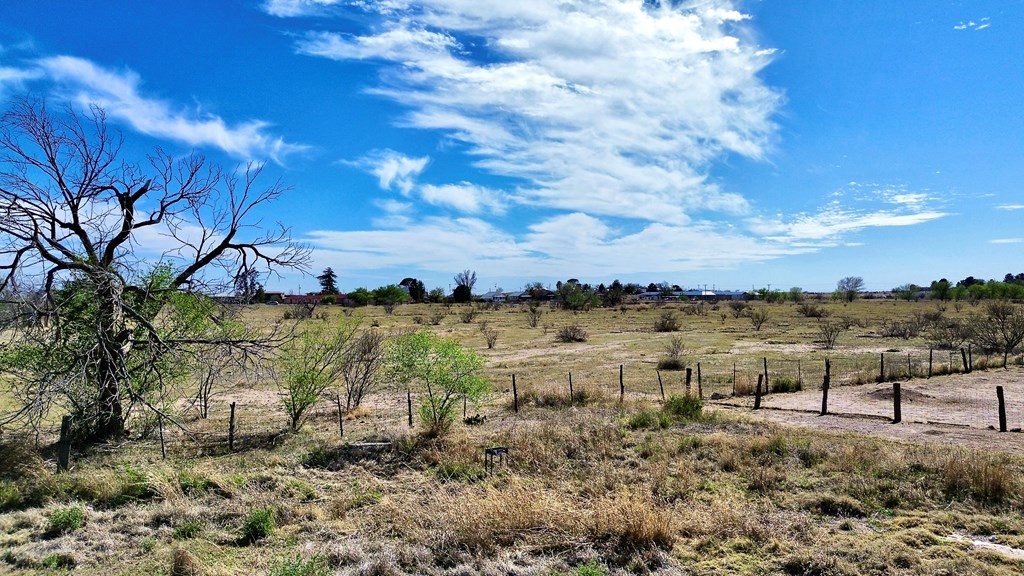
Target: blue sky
(733, 144)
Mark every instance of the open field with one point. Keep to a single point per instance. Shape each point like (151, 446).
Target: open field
(606, 487)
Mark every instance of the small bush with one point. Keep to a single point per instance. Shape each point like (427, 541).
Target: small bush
(667, 322)
(468, 315)
(492, 337)
(648, 419)
(671, 364)
(684, 407)
(786, 385)
(437, 316)
(59, 561)
(298, 566)
(258, 525)
(758, 316)
(67, 519)
(809, 310)
(842, 506)
(189, 528)
(572, 333)
(591, 568)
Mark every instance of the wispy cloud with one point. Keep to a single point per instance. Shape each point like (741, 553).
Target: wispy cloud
(981, 24)
(293, 8)
(1007, 241)
(1010, 207)
(605, 107)
(118, 92)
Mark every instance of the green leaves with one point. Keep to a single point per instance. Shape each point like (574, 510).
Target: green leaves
(444, 368)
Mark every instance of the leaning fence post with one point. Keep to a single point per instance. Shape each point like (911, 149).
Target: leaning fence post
(967, 367)
(231, 428)
(1002, 408)
(408, 401)
(757, 393)
(661, 386)
(970, 357)
(515, 395)
(824, 387)
(897, 412)
(64, 445)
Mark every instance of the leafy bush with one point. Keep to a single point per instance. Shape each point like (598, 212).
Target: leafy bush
(811, 310)
(684, 407)
(572, 333)
(67, 519)
(591, 568)
(258, 525)
(758, 316)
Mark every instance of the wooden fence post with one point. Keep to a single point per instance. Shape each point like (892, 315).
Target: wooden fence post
(897, 410)
(689, 374)
(970, 357)
(931, 351)
(231, 428)
(570, 389)
(515, 394)
(622, 386)
(757, 392)
(799, 375)
(661, 386)
(881, 367)
(766, 381)
(163, 445)
(824, 387)
(408, 401)
(1002, 408)
(966, 366)
(700, 383)
(341, 415)
(64, 445)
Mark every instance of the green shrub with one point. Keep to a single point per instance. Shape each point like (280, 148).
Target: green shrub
(785, 384)
(648, 419)
(591, 568)
(67, 519)
(684, 407)
(258, 525)
(572, 333)
(189, 528)
(192, 484)
(59, 561)
(148, 544)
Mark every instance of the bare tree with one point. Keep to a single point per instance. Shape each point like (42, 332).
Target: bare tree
(1002, 328)
(466, 278)
(363, 361)
(73, 218)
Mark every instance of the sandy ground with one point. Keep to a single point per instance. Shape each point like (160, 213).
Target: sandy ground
(958, 409)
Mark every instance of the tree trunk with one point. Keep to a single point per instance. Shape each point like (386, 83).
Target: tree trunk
(111, 369)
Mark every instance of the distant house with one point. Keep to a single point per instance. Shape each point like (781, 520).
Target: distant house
(301, 298)
(276, 296)
(649, 296)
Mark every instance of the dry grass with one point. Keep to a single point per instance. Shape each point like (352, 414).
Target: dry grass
(582, 486)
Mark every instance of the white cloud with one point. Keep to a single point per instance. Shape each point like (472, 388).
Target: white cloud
(1007, 241)
(1010, 207)
(603, 107)
(972, 25)
(293, 8)
(833, 222)
(465, 197)
(118, 93)
(393, 170)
